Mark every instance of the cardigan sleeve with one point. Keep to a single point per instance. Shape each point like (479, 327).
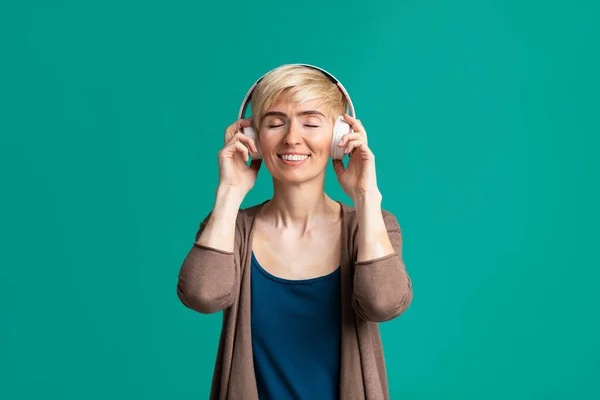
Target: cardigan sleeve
(382, 287)
(208, 276)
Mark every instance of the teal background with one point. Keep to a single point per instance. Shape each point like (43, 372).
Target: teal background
(483, 116)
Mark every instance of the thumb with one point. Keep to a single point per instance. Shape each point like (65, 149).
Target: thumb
(338, 167)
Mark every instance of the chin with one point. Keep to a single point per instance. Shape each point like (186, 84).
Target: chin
(295, 180)
(299, 175)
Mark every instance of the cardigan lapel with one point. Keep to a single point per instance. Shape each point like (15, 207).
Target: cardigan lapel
(351, 380)
(243, 379)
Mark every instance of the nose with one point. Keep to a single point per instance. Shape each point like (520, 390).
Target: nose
(293, 135)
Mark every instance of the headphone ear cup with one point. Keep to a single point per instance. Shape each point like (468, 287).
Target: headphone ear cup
(340, 129)
(249, 131)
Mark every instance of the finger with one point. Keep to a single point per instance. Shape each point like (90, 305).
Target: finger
(354, 141)
(240, 123)
(247, 140)
(237, 126)
(353, 145)
(348, 137)
(233, 147)
(243, 149)
(240, 137)
(236, 147)
(355, 124)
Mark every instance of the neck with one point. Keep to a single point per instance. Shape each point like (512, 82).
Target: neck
(300, 206)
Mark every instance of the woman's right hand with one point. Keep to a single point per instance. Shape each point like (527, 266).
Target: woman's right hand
(234, 172)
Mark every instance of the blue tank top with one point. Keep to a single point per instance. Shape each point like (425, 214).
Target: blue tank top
(296, 335)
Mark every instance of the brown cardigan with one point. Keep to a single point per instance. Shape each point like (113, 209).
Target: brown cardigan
(373, 291)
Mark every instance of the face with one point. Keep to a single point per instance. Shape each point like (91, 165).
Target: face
(295, 140)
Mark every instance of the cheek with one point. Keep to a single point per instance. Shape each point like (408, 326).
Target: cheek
(269, 136)
(322, 141)
(263, 139)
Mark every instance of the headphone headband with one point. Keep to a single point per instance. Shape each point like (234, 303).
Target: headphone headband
(246, 101)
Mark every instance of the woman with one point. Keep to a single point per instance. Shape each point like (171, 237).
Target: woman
(303, 279)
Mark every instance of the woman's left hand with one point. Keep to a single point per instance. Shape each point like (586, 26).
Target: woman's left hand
(358, 179)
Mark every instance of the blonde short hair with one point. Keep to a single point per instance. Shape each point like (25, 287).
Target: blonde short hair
(298, 84)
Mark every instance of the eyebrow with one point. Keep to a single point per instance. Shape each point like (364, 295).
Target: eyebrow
(282, 114)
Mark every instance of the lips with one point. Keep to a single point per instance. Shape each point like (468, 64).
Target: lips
(293, 162)
(293, 155)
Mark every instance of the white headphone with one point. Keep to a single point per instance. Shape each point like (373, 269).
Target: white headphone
(340, 128)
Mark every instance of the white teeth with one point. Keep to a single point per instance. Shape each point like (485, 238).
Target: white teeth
(294, 157)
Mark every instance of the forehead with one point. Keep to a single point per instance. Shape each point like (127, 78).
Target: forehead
(288, 103)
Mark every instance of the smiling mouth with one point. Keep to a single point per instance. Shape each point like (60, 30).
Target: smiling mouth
(293, 157)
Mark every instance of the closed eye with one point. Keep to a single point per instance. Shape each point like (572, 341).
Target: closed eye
(312, 126)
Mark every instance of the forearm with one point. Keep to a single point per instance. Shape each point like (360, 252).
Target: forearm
(207, 278)
(373, 239)
(219, 232)
(382, 288)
